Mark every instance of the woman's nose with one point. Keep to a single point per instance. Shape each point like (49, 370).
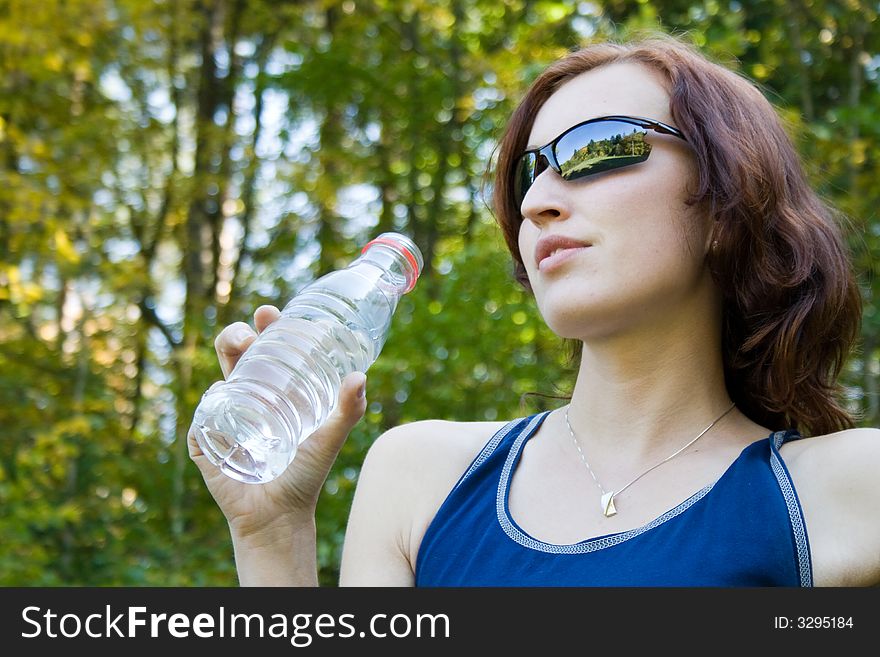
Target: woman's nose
(547, 198)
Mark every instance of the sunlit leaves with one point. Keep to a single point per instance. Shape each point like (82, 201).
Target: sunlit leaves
(129, 161)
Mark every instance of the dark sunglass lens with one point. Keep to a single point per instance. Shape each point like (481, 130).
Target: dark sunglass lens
(523, 176)
(601, 146)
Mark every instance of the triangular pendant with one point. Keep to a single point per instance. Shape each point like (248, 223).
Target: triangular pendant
(608, 504)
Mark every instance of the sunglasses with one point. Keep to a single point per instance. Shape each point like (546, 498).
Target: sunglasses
(588, 148)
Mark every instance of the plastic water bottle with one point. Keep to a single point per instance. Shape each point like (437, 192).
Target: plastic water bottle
(287, 382)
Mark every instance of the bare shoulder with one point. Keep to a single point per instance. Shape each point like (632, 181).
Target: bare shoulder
(835, 476)
(407, 474)
(444, 445)
(434, 454)
(427, 458)
(836, 456)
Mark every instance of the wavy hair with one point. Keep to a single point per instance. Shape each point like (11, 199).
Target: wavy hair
(791, 302)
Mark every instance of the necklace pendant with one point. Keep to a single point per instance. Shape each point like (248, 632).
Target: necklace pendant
(608, 504)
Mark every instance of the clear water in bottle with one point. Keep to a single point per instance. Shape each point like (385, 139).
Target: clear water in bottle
(287, 382)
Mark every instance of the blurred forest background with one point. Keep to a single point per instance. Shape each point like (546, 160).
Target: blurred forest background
(168, 165)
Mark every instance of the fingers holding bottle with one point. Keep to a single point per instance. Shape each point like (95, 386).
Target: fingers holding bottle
(307, 473)
(348, 412)
(264, 316)
(234, 340)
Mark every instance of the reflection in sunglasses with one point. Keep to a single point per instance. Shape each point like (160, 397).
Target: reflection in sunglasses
(618, 150)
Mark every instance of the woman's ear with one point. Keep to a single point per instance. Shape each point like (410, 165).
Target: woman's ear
(710, 247)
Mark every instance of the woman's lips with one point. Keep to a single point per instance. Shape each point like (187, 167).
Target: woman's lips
(554, 243)
(559, 257)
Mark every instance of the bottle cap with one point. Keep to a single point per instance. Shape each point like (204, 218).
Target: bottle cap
(406, 247)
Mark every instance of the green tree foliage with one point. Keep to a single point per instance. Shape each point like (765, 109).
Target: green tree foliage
(168, 166)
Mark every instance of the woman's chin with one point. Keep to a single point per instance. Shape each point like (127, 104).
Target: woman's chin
(580, 329)
(568, 319)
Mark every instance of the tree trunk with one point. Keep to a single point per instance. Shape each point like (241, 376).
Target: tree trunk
(199, 259)
(248, 192)
(327, 190)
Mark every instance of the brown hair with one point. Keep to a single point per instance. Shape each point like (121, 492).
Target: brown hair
(791, 303)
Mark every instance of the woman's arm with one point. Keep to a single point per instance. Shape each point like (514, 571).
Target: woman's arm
(376, 549)
(282, 556)
(407, 474)
(395, 481)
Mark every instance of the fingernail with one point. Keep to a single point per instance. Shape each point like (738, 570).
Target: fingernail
(362, 389)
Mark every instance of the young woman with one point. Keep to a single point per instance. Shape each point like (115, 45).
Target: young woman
(658, 213)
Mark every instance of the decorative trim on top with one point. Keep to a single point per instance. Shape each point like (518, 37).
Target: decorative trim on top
(798, 527)
(487, 450)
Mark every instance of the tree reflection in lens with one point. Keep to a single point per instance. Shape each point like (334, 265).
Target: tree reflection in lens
(612, 152)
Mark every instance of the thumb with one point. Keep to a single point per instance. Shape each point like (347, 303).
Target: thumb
(352, 398)
(348, 412)
(208, 470)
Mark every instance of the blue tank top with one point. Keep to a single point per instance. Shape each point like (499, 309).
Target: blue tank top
(746, 529)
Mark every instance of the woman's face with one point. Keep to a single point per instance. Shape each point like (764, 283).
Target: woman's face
(639, 265)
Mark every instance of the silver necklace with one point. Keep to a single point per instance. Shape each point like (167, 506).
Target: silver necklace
(607, 502)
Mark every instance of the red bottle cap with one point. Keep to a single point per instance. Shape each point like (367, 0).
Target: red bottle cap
(398, 246)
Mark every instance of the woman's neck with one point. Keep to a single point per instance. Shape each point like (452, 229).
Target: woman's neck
(642, 397)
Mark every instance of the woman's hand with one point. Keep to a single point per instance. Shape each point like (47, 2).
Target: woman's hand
(260, 513)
